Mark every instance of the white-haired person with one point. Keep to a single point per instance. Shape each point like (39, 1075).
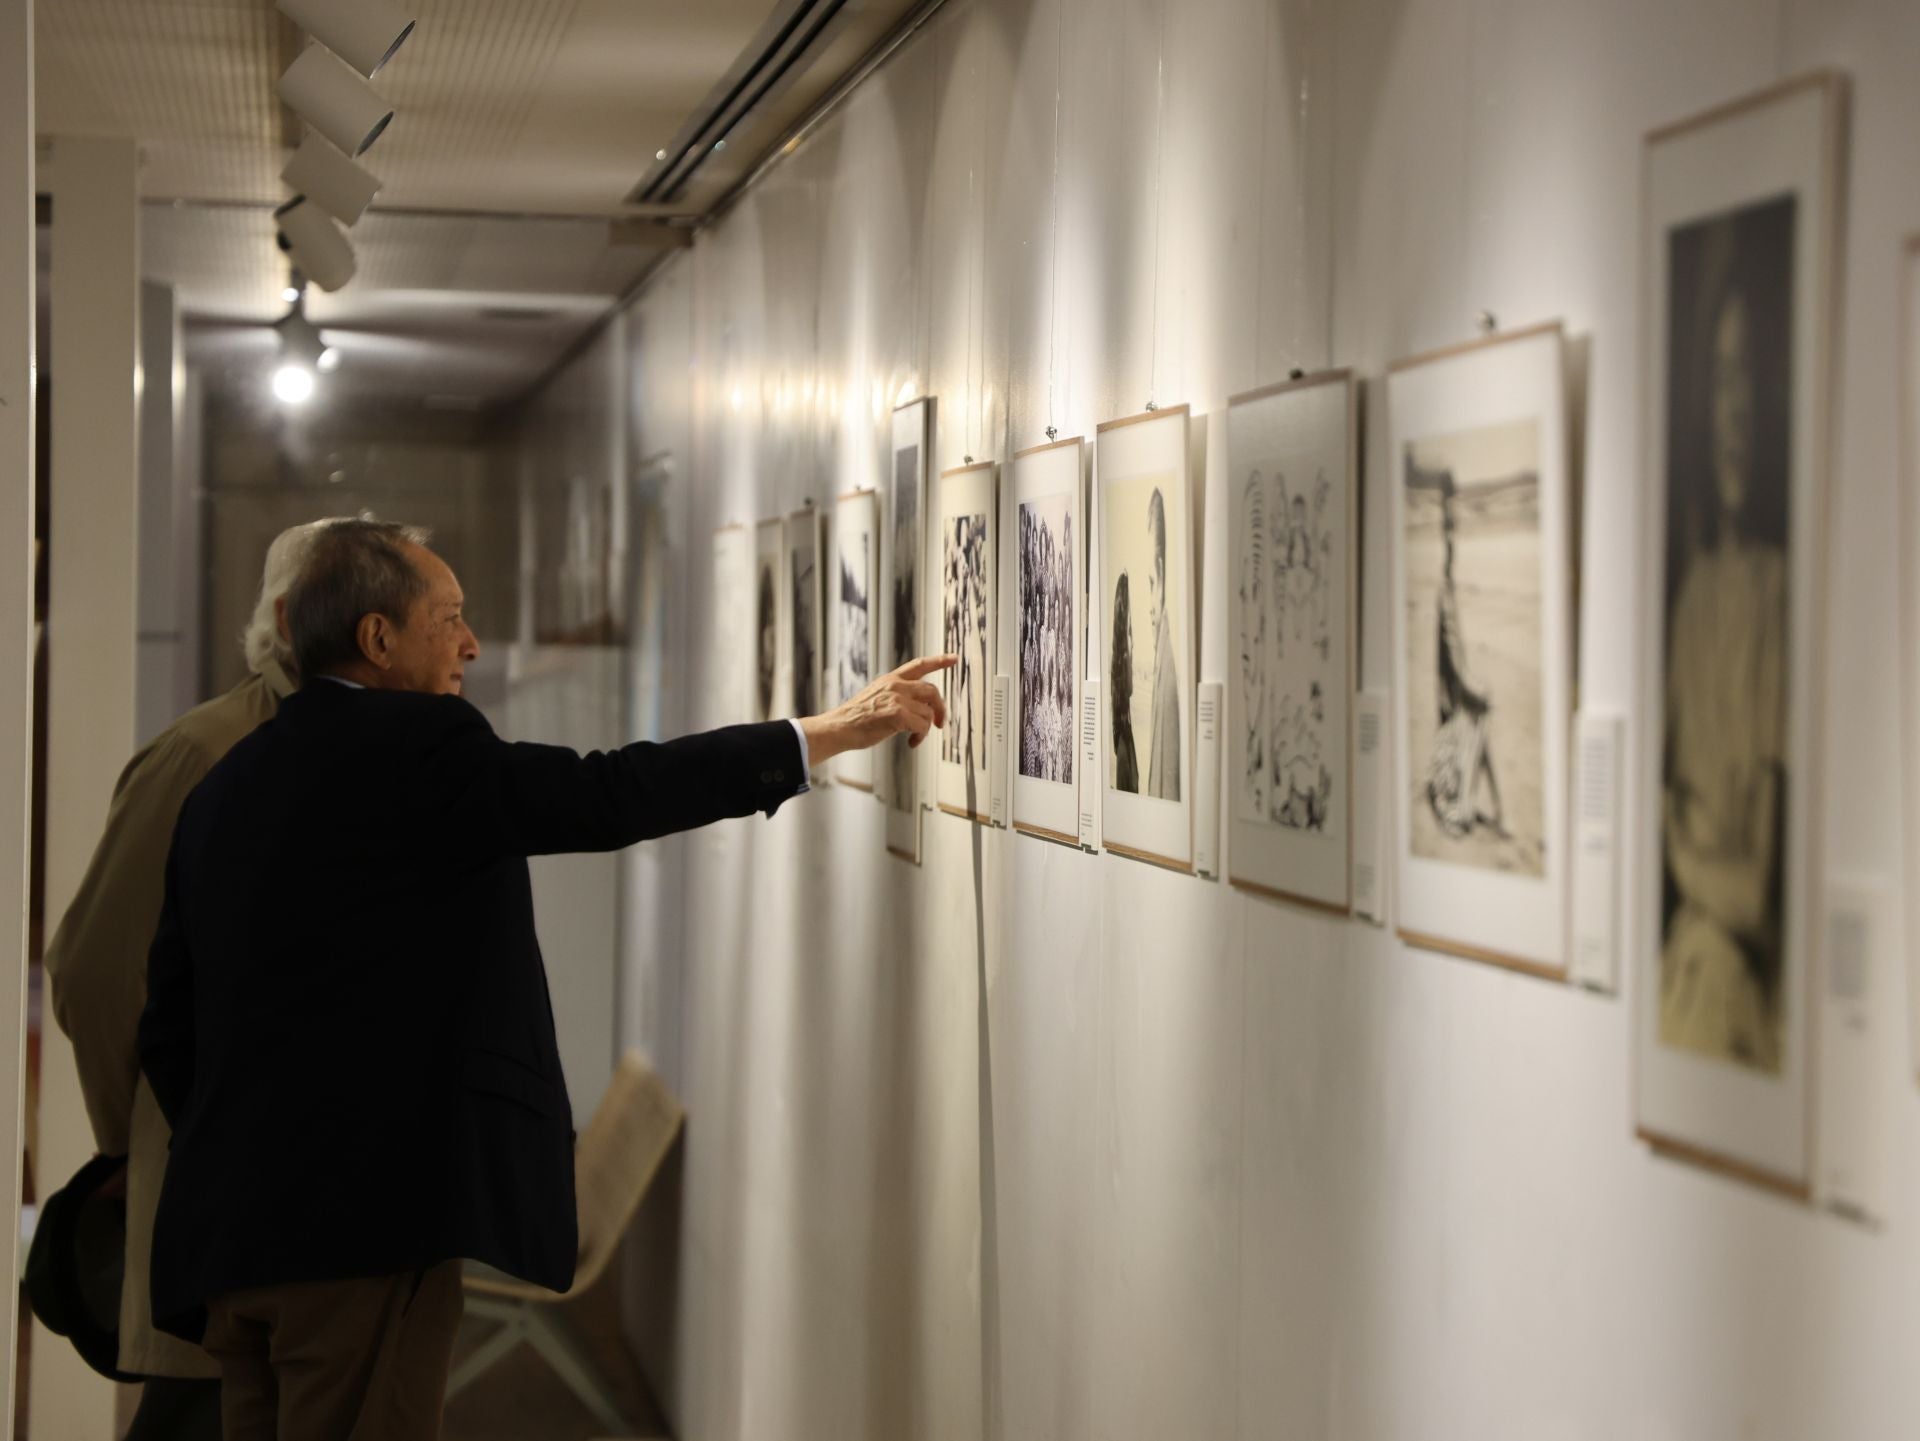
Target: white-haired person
(97, 980)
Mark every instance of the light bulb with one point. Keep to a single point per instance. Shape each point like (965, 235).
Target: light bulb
(293, 384)
(329, 360)
(290, 294)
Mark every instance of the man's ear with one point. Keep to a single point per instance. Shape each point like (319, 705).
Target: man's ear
(375, 640)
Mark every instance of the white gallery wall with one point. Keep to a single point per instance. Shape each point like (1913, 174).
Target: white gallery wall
(1027, 1143)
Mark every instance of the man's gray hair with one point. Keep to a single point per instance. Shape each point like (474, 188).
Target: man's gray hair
(354, 568)
(261, 640)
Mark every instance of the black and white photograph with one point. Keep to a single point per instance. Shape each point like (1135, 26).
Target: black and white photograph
(769, 617)
(903, 606)
(1145, 629)
(803, 610)
(1145, 700)
(963, 589)
(1048, 595)
(964, 554)
(1726, 602)
(1483, 587)
(1291, 451)
(850, 619)
(1047, 738)
(906, 630)
(730, 696)
(853, 657)
(1471, 503)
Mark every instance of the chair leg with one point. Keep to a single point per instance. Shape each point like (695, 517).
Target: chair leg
(512, 1331)
(549, 1336)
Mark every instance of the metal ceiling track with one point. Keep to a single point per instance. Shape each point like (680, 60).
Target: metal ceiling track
(776, 56)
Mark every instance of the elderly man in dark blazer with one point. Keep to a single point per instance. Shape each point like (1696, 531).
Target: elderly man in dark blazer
(347, 1022)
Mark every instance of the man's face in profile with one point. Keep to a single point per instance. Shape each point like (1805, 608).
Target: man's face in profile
(430, 652)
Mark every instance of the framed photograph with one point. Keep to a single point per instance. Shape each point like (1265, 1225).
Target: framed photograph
(968, 511)
(850, 629)
(1050, 540)
(1292, 527)
(804, 648)
(1739, 245)
(771, 686)
(905, 560)
(1146, 637)
(730, 680)
(1481, 538)
(1910, 607)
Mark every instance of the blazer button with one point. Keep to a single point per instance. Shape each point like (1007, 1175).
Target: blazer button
(779, 775)
(766, 778)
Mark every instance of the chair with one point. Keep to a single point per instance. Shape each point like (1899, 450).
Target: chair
(615, 1162)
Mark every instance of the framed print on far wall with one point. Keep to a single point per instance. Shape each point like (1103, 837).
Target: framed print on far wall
(1145, 615)
(964, 551)
(803, 612)
(905, 552)
(1290, 599)
(770, 652)
(1739, 247)
(730, 659)
(850, 616)
(1481, 539)
(1049, 495)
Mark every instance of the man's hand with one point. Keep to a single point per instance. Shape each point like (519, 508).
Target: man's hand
(901, 700)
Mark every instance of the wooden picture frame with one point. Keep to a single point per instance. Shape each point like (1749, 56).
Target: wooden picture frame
(1144, 526)
(1482, 707)
(1741, 215)
(1292, 611)
(1048, 513)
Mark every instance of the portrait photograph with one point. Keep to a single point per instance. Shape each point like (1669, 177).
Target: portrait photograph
(1049, 584)
(1291, 451)
(1737, 258)
(969, 501)
(1146, 635)
(730, 656)
(1481, 539)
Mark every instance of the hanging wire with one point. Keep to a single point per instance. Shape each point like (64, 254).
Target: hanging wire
(1053, 291)
(1260, 218)
(1159, 205)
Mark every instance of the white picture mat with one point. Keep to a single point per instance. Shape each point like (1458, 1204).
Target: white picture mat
(1056, 470)
(803, 536)
(1762, 153)
(730, 688)
(911, 428)
(1125, 452)
(971, 490)
(1311, 428)
(1910, 596)
(770, 547)
(1494, 915)
(856, 518)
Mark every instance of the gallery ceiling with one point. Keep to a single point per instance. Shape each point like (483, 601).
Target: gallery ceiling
(522, 129)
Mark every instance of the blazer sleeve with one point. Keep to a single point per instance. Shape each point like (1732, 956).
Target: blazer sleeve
(166, 1024)
(97, 961)
(497, 798)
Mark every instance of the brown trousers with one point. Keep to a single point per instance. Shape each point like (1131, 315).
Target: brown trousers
(363, 1360)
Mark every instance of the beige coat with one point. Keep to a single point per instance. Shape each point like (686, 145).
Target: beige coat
(97, 981)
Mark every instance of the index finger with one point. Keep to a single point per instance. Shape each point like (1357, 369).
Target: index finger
(926, 665)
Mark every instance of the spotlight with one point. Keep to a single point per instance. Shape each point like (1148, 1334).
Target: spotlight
(317, 245)
(334, 99)
(291, 295)
(364, 33)
(333, 182)
(329, 360)
(293, 384)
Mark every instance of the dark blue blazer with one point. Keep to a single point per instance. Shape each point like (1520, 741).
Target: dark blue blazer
(347, 1021)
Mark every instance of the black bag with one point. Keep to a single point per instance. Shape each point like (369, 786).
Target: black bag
(76, 1264)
